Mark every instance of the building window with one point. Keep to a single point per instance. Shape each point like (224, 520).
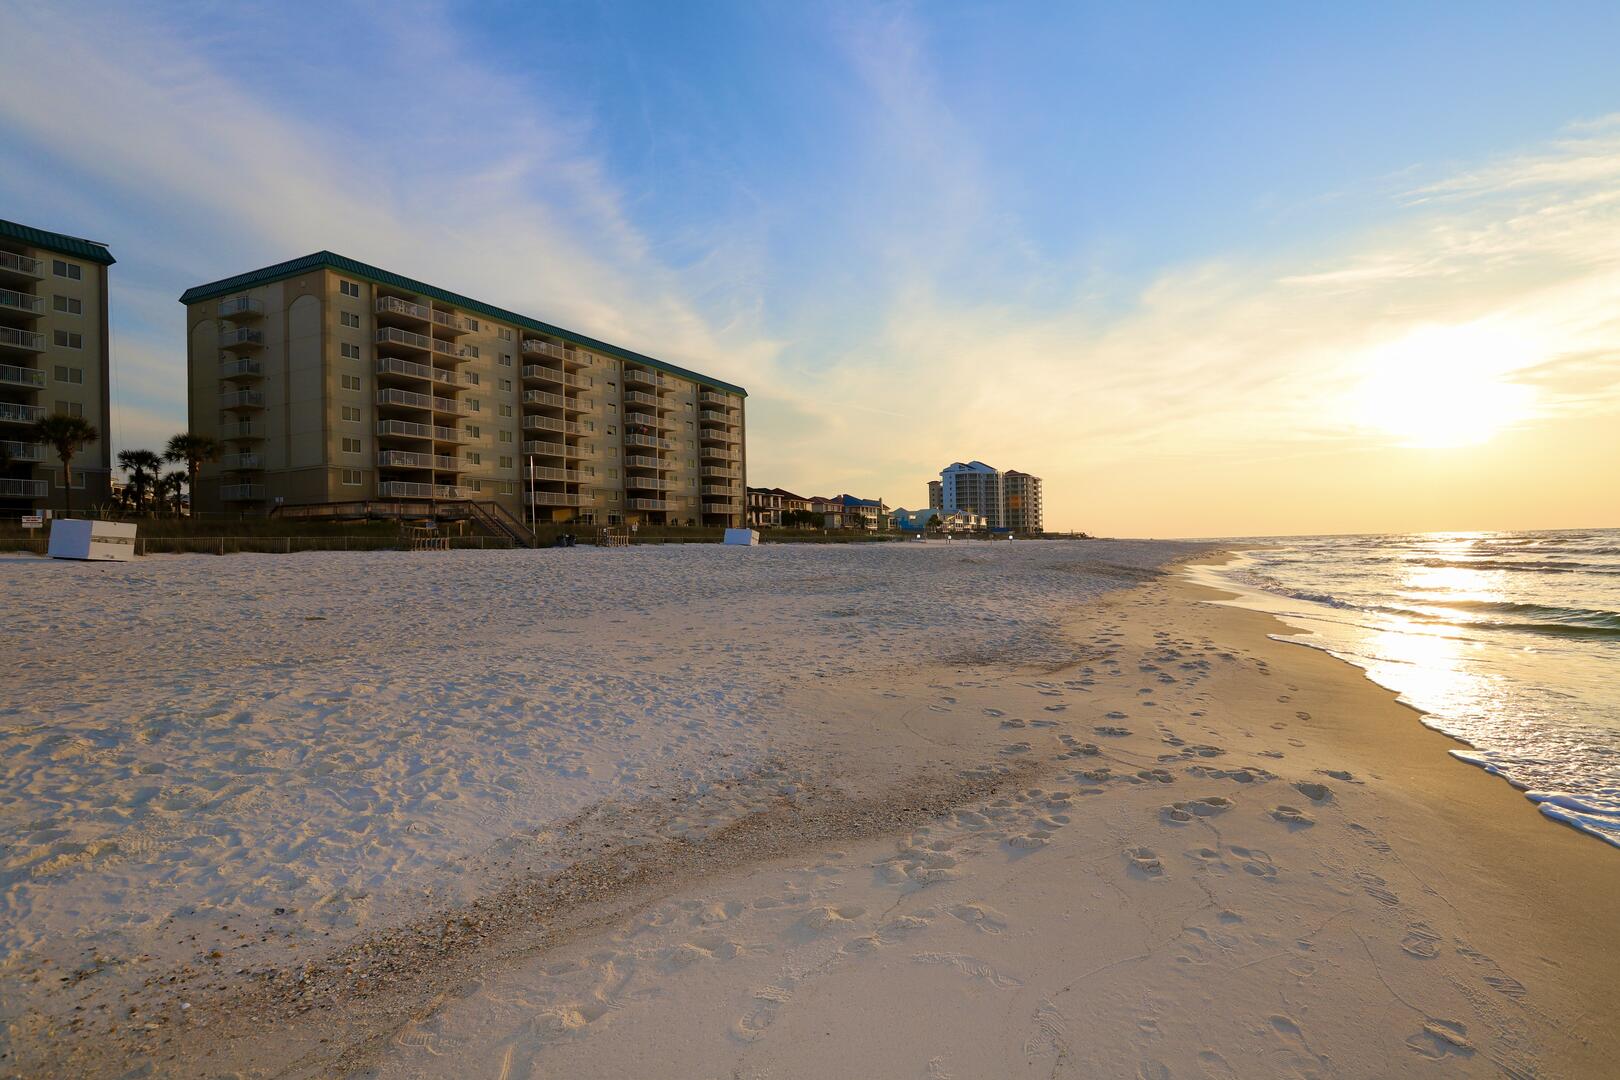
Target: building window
(506, 410)
(351, 382)
(71, 271)
(351, 414)
(351, 477)
(68, 340)
(613, 474)
(506, 463)
(69, 374)
(350, 352)
(474, 458)
(68, 305)
(349, 288)
(472, 324)
(506, 359)
(508, 488)
(475, 405)
(474, 432)
(78, 479)
(470, 350)
(476, 485)
(504, 334)
(69, 408)
(471, 377)
(613, 496)
(351, 446)
(506, 384)
(506, 436)
(349, 318)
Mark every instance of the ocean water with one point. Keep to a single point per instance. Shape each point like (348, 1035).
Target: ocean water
(1509, 642)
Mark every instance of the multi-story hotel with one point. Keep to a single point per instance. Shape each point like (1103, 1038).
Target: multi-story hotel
(333, 381)
(53, 359)
(1021, 502)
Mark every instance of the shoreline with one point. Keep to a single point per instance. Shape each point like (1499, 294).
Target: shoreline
(1102, 880)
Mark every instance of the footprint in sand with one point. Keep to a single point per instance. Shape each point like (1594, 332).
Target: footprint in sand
(1110, 730)
(1144, 861)
(1313, 792)
(1441, 1038)
(1256, 862)
(1292, 816)
(768, 1002)
(1421, 941)
(982, 917)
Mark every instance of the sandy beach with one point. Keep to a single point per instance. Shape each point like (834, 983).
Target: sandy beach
(923, 810)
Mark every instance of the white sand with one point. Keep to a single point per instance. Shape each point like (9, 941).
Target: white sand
(768, 760)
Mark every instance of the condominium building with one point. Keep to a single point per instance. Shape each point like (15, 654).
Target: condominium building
(1021, 500)
(936, 495)
(53, 359)
(972, 486)
(332, 381)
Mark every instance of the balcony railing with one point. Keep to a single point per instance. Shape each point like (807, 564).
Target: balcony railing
(28, 377)
(21, 489)
(548, 423)
(241, 492)
(454, 351)
(389, 365)
(709, 416)
(241, 307)
(241, 369)
(13, 263)
(391, 335)
(642, 375)
(406, 429)
(241, 337)
(648, 483)
(409, 399)
(712, 397)
(393, 305)
(559, 498)
(241, 462)
(24, 451)
(567, 476)
(719, 470)
(540, 397)
(545, 348)
(635, 438)
(637, 397)
(647, 504)
(26, 340)
(242, 399)
(244, 429)
(449, 322)
(638, 461)
(546, 448)
(556, 375)
(718, 454)
(400, 489)
(718, 508)
(405, 459)
(719, 489)
(20, 414)
(11, 300)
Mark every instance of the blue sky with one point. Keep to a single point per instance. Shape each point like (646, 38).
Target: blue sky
(860, 211)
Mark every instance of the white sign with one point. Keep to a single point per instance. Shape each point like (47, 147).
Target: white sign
(97, 541)
(32, 521)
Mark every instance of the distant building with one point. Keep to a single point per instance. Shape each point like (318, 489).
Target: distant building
(936, 495)
(848, 512)
(53, 360)
(973, 486)
(764, 508)
(919, 521)
(1021, 502)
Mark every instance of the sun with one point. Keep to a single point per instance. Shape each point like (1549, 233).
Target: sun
(1446, 386)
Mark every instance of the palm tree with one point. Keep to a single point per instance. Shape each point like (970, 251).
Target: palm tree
(171, 487)
(68, 435)
(193, 450)
(143, 467)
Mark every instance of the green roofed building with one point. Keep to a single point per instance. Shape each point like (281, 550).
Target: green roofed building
(332, 381)
(53, 359)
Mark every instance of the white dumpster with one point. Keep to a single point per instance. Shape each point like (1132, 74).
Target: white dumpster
(747, 537)
(95, 541)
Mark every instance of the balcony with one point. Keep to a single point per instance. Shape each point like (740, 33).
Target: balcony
(241, 429)
(451, 350)
(241, 492)
(718, 508)
(540, 397)
(647, 504)
(24, 451)
(400, 489)
(21, 340)
(645, 377)
(555, 375)
(560, 498)
(239, 308)
(26, 377)
(648, 483)
(410, 369)
(720, 489)
(713, 453)
(241, 337)
(548, 423)
(637, 461)
(712, 397)
(241, 369)
(404, 459)
(635, 438)
(21, 266)
(242, 399)
(394, 307)
(242, 462)
(21, 303)
(409, 400)
(717, 470)
(21, 489)
(567, 476)
(406, 430)
(636, 397)
(534, 347)
(449, 322)
(388, 335)
(11, 413)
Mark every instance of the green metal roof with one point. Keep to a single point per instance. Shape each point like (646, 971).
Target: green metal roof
(332, 261)
(59, 242)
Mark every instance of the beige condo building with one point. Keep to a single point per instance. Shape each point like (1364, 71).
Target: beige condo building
(1024, 511)
(332, 381)
(53, 359)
